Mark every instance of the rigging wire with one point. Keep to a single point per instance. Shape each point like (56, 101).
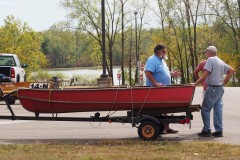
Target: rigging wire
(49, 103)
(144, 101)
(109, 113)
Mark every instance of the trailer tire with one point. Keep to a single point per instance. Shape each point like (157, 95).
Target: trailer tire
(148, 130)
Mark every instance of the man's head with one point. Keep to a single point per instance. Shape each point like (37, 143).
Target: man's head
(211, 51)
(161, 51)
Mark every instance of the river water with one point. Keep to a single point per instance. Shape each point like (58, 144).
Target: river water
(85, 71)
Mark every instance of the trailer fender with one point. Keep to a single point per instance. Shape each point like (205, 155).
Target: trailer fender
(148, 118)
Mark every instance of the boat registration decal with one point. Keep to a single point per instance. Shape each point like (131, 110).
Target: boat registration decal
(39, 85)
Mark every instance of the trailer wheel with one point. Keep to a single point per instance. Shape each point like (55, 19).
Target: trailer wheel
(148, 130)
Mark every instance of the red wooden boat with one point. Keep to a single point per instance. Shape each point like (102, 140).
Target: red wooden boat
(105, 99)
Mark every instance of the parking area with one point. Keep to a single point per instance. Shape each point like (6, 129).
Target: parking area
(82, 132)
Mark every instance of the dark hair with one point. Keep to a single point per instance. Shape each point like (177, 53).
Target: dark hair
(159, 47)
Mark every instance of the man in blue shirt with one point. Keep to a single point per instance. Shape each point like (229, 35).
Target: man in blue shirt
(158, 74)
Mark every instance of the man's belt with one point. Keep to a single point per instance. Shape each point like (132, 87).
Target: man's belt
(215, 85)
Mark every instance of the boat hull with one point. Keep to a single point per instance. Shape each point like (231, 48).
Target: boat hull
(105, 99)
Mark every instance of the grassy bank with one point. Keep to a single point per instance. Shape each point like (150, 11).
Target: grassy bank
(121, 150)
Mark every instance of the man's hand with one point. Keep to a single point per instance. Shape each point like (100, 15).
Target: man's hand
(193, 84)
(158, 85)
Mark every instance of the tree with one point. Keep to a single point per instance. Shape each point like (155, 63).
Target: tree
(112, 24)
(173, 33)
(228, 11)
(69, 48)
(123, 39)
(140, 9)
(20, 39)
(60, 46)
(88, 15)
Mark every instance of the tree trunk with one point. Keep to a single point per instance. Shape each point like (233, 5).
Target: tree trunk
(190, 41)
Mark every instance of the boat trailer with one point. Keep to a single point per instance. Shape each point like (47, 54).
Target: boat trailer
(150, 123)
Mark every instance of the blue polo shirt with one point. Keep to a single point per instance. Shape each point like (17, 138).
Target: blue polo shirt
(159, 69)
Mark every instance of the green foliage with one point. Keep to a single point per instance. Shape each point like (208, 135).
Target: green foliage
(68, 48)
(65, 45)
(234, 61)
(59, 47)
(44, 76)
(18, 38)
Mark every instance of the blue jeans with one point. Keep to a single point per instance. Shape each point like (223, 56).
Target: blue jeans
(212, 100)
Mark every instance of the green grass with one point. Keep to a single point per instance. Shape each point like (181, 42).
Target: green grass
(44, 76)
(122, 150)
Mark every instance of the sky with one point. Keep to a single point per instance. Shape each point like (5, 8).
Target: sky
(39, 14)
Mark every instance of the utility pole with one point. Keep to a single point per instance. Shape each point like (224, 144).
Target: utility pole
(137, 56)
(122, 60)
(104, 80)
(103, 47)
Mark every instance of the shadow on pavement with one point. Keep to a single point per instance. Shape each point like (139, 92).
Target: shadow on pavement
(161, 138)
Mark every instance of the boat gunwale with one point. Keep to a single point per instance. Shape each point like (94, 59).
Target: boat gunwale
(109, 88)
(80, 102)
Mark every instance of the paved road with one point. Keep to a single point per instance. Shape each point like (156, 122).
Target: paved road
(94, 132)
